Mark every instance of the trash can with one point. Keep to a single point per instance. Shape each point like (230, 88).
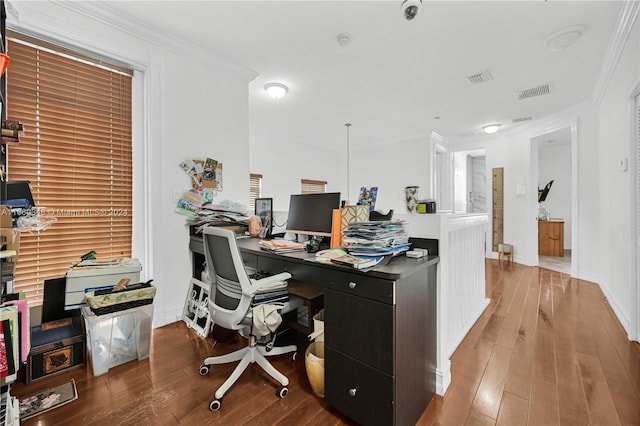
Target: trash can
(314, 362)
(318, 327)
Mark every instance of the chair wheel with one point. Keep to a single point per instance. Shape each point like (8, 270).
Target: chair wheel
(283, 392)
(204, 370)
(215, 405)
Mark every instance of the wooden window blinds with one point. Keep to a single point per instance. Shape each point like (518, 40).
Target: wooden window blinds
(76, 152)
(255, 190)
(309, 186)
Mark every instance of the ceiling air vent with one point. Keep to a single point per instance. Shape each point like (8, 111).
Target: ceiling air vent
(481, 77)
(533, 92)
(521, 119)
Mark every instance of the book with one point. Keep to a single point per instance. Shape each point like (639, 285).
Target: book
(4, 367)
(357, 262)
(24, 327)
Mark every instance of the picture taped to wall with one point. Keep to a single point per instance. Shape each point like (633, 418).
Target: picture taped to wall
(196, 308)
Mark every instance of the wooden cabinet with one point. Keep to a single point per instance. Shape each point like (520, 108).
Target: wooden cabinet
(380, 345)
(551, 237)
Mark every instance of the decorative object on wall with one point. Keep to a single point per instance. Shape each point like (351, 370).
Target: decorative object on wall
(542, 193)
(498, 206)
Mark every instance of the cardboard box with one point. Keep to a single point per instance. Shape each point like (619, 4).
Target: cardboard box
(81, 280)
(6, 221)
(113, 339)
(56, 349)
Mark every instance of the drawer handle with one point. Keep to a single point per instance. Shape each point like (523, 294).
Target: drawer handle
(352, 284)
(352, 391)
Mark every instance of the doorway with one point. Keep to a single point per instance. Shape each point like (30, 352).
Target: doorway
(555, 186)
(470, 181)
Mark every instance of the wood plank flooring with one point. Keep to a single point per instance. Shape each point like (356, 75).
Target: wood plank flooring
(547, 351)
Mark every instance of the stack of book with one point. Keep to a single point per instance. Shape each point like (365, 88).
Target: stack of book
(376, 238)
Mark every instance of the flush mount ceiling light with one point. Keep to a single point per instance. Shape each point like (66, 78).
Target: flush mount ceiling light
(276, 90)
(564, 38)
(491, 128)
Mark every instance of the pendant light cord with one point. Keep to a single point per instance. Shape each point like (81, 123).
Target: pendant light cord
(348, 125)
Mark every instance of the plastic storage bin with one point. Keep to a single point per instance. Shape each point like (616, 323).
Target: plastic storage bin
(119, 337)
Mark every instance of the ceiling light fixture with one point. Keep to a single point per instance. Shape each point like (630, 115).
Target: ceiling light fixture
(276, 90)
(564, 38)
(491, 128)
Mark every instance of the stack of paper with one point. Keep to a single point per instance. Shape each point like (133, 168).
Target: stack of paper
(376, 238)
(281, 246)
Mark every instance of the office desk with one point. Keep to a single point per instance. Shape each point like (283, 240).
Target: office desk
(380, 331)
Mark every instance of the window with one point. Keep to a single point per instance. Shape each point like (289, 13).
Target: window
(313, 186)
(76, 152)
(255, 190)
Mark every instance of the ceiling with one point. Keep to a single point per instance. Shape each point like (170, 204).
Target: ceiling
(396, 80)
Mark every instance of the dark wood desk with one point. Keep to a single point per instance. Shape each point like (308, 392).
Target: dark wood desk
(380, 331)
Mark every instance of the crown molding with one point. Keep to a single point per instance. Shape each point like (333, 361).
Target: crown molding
(626, 19)
(153, 35)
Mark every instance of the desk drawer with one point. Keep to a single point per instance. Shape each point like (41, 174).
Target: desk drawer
(359, 391)
(361, 285)
(360, 328)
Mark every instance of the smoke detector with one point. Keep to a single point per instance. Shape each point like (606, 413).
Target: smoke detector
(343, 40)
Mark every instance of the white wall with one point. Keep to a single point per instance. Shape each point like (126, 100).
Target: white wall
(390, 169)
(283, 162)
(186, 107)
(555, 164)
(616, 141)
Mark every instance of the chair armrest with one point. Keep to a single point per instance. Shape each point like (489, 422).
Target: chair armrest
(267, 282)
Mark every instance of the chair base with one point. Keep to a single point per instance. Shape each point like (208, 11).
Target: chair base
(248, 355)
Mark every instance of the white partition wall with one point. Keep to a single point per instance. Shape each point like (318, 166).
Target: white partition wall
(461, 278)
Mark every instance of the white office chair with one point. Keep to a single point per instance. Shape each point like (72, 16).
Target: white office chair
(230, 299)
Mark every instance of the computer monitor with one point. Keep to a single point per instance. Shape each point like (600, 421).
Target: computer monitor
(20, 190)
(311, 214)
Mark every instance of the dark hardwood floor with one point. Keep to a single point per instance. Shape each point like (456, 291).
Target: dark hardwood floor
(547, 351)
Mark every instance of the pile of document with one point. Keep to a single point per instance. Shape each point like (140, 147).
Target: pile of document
(202, 211)
(376, 238)
(281, 246)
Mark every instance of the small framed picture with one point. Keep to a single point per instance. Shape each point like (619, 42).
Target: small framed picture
(196, 308)
(264, 209)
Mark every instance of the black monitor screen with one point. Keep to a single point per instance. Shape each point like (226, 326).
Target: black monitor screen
(311, 214)
(20, 190)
